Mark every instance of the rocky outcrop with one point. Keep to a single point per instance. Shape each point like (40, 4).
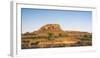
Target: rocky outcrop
(51, 27)
(55, 29)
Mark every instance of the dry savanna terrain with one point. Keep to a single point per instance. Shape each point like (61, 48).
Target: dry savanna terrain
(51, 36)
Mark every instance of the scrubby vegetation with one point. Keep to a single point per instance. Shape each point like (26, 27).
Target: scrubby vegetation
(52, 36)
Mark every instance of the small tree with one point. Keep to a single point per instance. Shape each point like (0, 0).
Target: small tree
(50, 35)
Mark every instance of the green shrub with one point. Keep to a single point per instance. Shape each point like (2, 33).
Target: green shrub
(50, 35)
(86, 37)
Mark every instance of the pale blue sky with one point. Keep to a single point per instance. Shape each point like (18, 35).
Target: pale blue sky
(33, 19)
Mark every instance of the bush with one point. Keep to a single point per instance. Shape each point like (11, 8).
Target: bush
(86, 37)
(62, 35)
(50, 35)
